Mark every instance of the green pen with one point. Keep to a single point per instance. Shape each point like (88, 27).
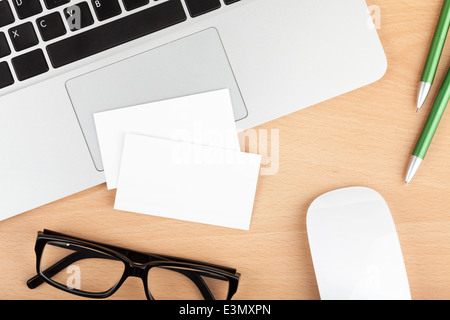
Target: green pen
(434, 55)
(429, 128)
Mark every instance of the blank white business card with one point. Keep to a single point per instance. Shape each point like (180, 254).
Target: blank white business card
(205, 118)
(187, 181)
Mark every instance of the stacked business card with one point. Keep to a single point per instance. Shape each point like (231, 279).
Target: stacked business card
(180, 159)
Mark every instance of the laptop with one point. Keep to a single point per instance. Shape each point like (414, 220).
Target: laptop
(63, 60)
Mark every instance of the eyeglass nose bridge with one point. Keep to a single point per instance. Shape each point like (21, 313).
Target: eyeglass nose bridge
(137, 270)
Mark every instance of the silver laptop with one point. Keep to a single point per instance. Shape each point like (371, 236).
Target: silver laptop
(63, 60)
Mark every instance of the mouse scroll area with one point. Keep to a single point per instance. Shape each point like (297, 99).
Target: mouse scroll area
(355, 248)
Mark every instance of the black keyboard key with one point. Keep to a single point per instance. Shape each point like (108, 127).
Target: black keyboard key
(134, 4)
(199, 7)
(30, 64)
(51, 4)
(4, 47)
(230, 1)
(105, 9)
(27, 8)
(116, 33)
(78, 16)
(23, 36)
(6, 78)
(6, 15)
(51, 26)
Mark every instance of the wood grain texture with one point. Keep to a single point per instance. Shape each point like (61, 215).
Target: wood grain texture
(363, 138)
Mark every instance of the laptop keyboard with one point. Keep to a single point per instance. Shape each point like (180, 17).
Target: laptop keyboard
(19, 51)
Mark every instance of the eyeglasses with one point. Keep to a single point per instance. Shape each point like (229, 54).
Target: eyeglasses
(96, 270)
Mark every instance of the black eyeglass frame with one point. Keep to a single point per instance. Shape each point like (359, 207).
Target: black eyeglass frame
(136, 264)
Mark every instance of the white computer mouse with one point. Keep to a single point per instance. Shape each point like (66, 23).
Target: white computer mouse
(355, 248)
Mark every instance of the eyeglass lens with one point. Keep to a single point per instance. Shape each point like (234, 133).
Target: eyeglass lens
(84, 269)
(176, 283)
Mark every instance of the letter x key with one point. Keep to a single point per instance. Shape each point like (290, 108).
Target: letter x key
(23, 36)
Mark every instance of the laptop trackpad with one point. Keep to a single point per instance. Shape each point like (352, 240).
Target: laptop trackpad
(190, 65)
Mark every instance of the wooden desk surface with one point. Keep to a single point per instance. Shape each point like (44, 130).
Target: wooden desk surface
(363, 138)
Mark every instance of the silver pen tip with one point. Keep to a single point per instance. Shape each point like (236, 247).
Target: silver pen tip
(424, 89)
(414, 165)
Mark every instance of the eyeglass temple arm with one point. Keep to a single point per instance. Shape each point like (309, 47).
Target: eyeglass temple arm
(87, 254)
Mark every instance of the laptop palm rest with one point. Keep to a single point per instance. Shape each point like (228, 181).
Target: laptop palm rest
(194, 64)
